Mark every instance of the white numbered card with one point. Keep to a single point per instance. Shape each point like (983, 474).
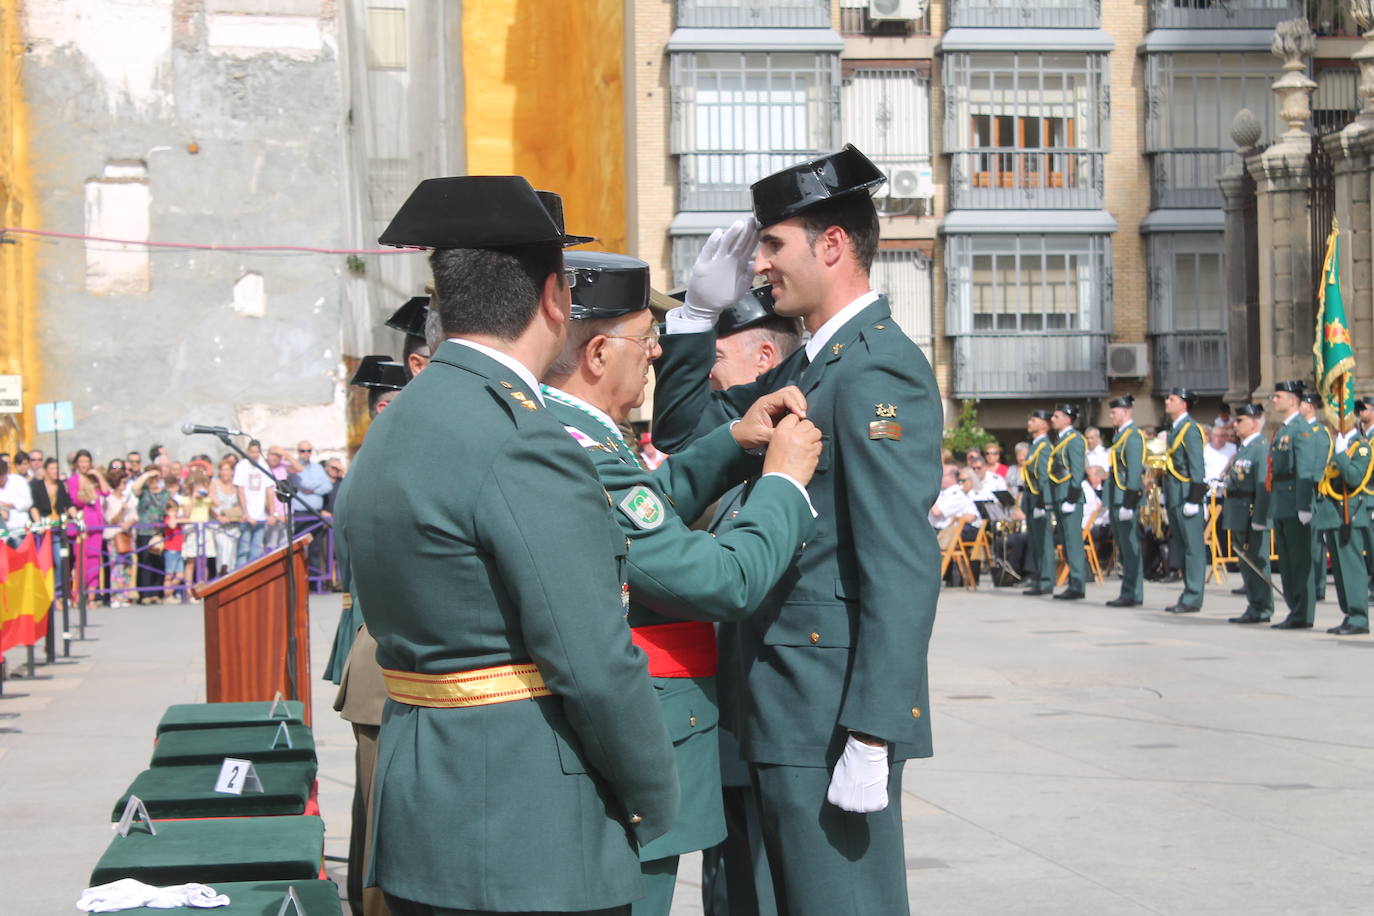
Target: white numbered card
(237, 776)
(135, 812)
(278, 703)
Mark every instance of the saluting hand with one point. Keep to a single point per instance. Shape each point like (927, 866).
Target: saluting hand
(794, 450)
(723, 271)
(755, 428)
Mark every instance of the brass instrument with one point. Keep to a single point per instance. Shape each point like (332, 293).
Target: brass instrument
(1152, 514)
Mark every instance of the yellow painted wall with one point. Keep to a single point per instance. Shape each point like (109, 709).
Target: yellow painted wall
(18, 262)
(544, 86)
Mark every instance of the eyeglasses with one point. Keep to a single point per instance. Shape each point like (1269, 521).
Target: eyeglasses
(646, 341)
(304, 451)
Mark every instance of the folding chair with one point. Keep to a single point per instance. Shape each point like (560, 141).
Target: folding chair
(1218, 544)
(954, 552)
(1089, 548)
(977, 550)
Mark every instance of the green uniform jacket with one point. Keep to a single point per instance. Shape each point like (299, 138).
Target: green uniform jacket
(841, 643)
(1295, 465)
(1347, 473)
(1247, 499)
(1033, 477)
(1185, 474)
(1125, 469)
(350, 619)
(478, 535)
(676, 573)
(1068, 462)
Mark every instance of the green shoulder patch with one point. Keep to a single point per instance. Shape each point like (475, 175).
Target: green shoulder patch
(642, 506)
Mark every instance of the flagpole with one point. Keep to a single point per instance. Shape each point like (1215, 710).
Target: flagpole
(1345, 503)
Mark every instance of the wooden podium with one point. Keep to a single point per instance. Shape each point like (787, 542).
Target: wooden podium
(246, 631)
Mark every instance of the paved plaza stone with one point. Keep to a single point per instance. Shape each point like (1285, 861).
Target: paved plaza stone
(1089, 760)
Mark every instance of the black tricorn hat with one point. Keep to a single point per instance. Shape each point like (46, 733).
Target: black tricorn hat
(379, 372)
(754, 308)
(1248, 410)
(1188, 397)
(410, 318)
(1362, 403)
(784, 194)
(1293, 386)
(474, 211)
(607, 285)
(554, 204)
(1311, 396)
(1040, 414)
(1068, 410)
(1126, 400)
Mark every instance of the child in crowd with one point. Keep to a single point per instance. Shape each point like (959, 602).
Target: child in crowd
(173, 543)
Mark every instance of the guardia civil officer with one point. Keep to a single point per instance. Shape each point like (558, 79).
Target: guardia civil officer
(680, 580)
(1340, 515)
(1121, 495)
(523, 758)
(1245, 513)
(1364, 411)
(1323, 445)
(353, 664)
(1294, 466)
(832, 679)
(1067, 467)
(410, 319)
(1035, 497)
(1185, 489)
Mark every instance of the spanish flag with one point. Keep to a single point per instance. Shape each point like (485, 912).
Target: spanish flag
(26, 590)
(1333, 352)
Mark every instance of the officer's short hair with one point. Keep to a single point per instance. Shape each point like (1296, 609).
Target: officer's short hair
(434, 331)
(492, 292)
(855, 214)
(580, 332)
(781, 332)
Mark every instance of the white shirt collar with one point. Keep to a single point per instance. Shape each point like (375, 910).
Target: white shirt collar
(505, 359)
(595, 411)
(1039, 437)
(1289, 419)
(1123, 426)
(838, 320)
(1250, 438)
(1181, 418)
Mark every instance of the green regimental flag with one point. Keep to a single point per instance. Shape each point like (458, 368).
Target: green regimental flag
(1333, 355)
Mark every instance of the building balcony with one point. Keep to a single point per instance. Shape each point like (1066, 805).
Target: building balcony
(1064, 364)
(1051, 14)
(1190, 359)
(1042, 179)
(753, 14)
(1216, 14)
(720, 181)
(1188, 179)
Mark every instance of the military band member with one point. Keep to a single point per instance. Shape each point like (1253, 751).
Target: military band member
(832, 679)
(1035, 501)
(1364, 412)
(1340, 515)
(1245, 512)
(523, 756)
(1185, 491)
(1292, 480)
(1309, 405)
(679, 580)
(1067, 467)
(1122, 491)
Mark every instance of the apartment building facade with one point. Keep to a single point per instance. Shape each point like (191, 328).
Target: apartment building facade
(1052, 226)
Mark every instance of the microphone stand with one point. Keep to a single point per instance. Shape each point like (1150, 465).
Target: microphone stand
(286, 493)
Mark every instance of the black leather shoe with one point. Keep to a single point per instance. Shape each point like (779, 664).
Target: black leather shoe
(1069, 595)
(1247, 618)
(1122, 602)
(1032, 591)
(1238, 591)
(1346, 629)
(1182, 609)
(1291, 623)
(1174, 576)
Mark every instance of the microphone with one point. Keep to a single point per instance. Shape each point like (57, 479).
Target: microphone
(195, 429)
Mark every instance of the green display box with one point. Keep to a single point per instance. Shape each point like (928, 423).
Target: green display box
(253, 742)
(215, 850)
(189, 791)
(229, 715)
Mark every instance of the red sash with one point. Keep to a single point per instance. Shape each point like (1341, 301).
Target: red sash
(686, 649)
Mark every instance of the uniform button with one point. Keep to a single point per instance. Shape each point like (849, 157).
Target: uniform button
(627, 543)
(734, 514)
(803, 546)
(815, 637)
(915, 712)
(692, 721)
(635, 819)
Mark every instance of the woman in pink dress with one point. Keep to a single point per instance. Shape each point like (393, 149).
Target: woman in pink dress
(88, 491)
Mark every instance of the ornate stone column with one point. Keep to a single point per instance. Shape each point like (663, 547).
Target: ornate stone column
(1283, 180)
(1240, 246)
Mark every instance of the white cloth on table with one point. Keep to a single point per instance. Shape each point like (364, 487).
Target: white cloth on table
(130, 894)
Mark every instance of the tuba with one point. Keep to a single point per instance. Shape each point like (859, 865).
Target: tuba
(1152, 514)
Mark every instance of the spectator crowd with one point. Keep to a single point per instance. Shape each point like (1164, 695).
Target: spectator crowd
(144, 529)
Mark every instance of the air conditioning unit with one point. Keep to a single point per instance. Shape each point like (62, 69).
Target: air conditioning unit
(886, 10)
(910, 181)
(1126, 361)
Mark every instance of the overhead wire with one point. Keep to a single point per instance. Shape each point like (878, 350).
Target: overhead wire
(44, 234)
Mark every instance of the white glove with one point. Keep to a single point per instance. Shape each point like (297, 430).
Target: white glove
(1305, 516)
(1067, 507)
(1257, 526)
(1040, 513)
(723, 271)
(1190, 509)
(859, 783)
(1125, 515)
(1342, 442)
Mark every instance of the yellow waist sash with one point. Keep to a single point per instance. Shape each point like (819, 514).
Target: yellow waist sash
(479, 687)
